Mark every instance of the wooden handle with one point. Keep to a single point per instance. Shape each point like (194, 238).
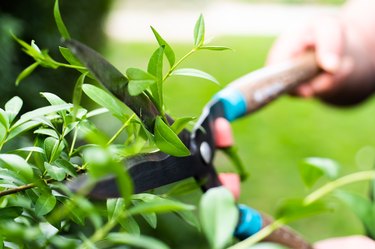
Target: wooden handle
(264, 85)
(285, 236)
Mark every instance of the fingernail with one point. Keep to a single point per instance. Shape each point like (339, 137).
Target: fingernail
(330, 62)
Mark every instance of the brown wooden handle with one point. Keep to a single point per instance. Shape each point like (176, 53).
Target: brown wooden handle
(264, 85)
(285, 236)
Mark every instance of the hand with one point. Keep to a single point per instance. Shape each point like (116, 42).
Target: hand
(353, 242)
(348, 69)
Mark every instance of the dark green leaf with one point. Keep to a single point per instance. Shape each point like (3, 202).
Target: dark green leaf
(17, 164)
(103, 98)
(199, 31)
(190, 218)
(26, 72)
(59, 22)
(45, 203)
(215, 48)
(167, 49)
(195, 73)
(233, 155)
(137, 241)
(184, 187)
(13, 107)
(159, 206)
(311, 169)
(10, 212)
(295, 209)
(219, 216)
(167, 141)
(180, 124)
(53, 148)
(55, 172)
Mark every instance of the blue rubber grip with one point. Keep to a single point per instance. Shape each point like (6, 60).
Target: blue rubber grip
(234, 103)
(250, 222)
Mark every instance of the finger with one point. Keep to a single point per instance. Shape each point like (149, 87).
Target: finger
(329, 43)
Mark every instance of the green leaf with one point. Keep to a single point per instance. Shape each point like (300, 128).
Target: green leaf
(31, 149)
(155, 67)
(26, 72)
(180, 124)
(159, 206)
(45, 203)
(167, 49)
(233, 155)
(219, 216)
(139, 80)
(21, 128)
(105, 99)
(136, 240)
(53, 99)
(267, 245)
(184, 187)
(215, 48)
(362, 207)
(190, 218)
(294, 209)
(151, 219)
(77, 93)
(10, 212)
(53, 148)
(13, 107)
(115, 207)
(18, 165)
(195, 73)
(67, 166)
(59, 22)
(167, 141)
(41, 112)
(70, 57)
(313, 168)
(4, 119)
(130, 225)
(47, 132)
(55, 172)
(199, 32)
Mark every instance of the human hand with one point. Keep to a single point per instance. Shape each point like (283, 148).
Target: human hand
(348, 70)
(353, 242)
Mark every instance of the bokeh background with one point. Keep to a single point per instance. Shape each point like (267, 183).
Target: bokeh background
(272, 142)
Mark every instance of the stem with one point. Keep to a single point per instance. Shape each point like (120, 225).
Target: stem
(73, 141)
(266, 231)
(329, 187)
(178, 63)
(120, 130)
(70, 66)
(16, 190)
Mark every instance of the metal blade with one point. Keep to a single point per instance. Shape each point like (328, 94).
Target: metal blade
(114, 81)
(147, 172)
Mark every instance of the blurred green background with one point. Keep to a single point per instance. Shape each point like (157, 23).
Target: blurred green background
(272, 141)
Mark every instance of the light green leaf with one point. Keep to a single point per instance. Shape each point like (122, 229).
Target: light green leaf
(151, 219)
(215, 48)
(233, 155)
(190, 218)
(130, 225)
(294, 209)
(4, 119)
(219, 216)
(167, 141)
(47, 132)
(199, 31)
(115, 207)
(67, 166)
(53, 148)
(167, 49)
(55, 172)
(180, 124)
(13, 107)
(155, 67)
(17, 164)
(195, 73)
(136, 240)
(183, 187)
(267, 245)
(159, 206)
(53, 99)
(26, 72)
(19, 129)
(69, 57)
(139, 80)
(41, 112)
(31, 149)
(103, 98)
(59, 22)
(311, 169)
(45, 203)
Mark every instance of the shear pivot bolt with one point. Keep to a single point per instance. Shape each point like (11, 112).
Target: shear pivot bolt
(205, 152)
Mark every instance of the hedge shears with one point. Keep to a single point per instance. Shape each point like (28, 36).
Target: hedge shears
(212, 132)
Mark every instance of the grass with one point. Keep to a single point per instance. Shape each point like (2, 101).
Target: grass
(274, 140)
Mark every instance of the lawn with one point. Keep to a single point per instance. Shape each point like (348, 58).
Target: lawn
(274, 140)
